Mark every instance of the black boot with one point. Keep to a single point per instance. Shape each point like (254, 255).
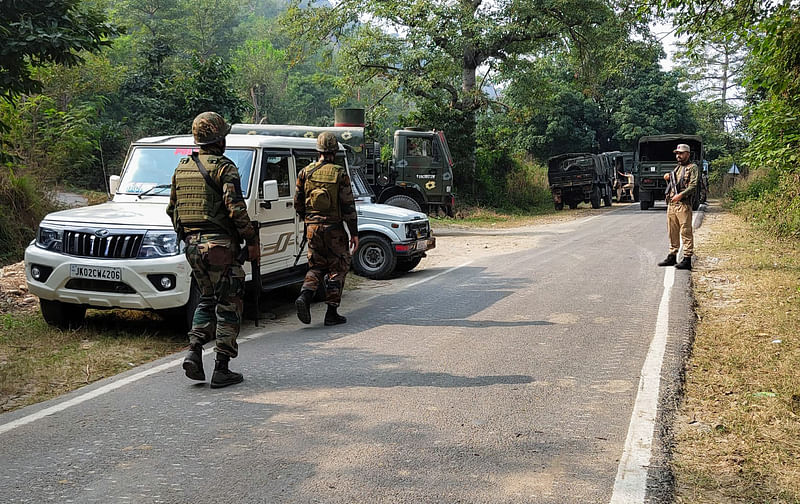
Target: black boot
(223, 376)
(669, 261)
(193, 363)
(686, 263)
(303, 305)
(332, 317)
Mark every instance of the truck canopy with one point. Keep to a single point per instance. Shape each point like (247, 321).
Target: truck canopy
(659, 148)
(573, 161)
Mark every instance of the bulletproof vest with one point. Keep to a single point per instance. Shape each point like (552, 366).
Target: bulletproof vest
(199, 207)
(322, 189)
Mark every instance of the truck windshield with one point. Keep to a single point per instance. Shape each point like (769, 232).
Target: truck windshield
(150, 167)
(359, 182)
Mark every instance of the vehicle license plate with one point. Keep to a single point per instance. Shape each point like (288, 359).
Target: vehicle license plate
(95, 272)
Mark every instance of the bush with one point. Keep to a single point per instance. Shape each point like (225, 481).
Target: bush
(511, 183)
(22, 206)
(769, 200)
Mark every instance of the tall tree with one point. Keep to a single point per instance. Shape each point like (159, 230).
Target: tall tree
(432, 50)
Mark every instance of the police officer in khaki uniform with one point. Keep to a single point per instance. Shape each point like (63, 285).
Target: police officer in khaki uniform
(681, 186)
(209, 213)
(324, 199)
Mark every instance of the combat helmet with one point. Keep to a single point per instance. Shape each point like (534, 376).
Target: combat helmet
(209, 128)
(326, 142)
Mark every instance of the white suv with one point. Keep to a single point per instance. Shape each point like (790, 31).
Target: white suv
(125, 254)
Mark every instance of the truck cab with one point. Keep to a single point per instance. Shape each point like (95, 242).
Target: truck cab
(125, 253)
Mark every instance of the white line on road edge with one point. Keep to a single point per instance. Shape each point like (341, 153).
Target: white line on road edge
(90, 395)
(439, 274)
(630, 484)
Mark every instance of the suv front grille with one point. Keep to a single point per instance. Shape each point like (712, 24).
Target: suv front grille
(113, 246)
(416, 230)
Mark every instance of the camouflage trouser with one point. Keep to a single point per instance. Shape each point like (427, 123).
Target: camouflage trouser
(221, 282)
(328, 252)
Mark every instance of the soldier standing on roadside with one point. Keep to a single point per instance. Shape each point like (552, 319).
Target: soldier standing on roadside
(324, 199)
(208, 213)
(681, 186)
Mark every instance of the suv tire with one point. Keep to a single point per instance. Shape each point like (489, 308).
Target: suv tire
(374, 257)
(63, 315)
(403, 201)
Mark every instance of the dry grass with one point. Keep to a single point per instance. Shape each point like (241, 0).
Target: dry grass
(38, 362)
(739, 430)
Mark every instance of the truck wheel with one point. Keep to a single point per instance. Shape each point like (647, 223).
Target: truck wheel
(573, 205)
(595, 197)
(63, 315)
(403, 201)
(607, 197)
(374, 257)
(644, 205)
(559, 205)
(409, 264)
(635, 193)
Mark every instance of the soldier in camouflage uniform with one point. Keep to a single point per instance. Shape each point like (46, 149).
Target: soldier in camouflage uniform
(210, 215)
(324, 198)
(681, 186)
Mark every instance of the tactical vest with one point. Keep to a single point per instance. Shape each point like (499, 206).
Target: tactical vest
(322, 189)
(199, 207)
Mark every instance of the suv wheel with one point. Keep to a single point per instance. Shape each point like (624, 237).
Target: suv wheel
(374, 257)
(403, 201)
(63, 315)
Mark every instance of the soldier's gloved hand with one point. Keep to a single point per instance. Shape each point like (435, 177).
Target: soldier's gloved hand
(254, 252)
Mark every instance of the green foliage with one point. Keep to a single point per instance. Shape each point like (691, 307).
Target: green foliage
(22, 206)
(510, 183)
(40, 32)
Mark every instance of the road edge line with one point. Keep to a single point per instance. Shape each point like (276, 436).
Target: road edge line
(630, 484)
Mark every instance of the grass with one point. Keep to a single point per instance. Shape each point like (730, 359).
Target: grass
(739, 433)
(38, 362)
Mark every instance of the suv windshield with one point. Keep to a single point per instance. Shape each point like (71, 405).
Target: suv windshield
(149, 167)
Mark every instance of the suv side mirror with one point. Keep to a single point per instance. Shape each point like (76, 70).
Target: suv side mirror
(113, 185)
(269, 188)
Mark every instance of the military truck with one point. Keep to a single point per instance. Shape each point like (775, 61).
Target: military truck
(419, 176)
(579, 177)
(654, 157)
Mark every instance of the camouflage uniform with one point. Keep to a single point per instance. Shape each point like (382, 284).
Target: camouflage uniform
(212, 223)
(328, 244)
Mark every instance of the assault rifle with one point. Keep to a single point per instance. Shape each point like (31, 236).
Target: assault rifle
(255, 272)
(302, 244)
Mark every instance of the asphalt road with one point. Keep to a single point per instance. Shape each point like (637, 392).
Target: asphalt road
(510, 379)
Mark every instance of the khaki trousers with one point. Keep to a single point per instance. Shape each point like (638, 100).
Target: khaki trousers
(679, 226)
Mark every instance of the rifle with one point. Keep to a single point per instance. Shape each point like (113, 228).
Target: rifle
(255, 272)
(671, 184)
(302, 244)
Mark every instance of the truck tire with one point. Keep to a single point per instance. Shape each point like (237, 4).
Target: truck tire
(573, 205)
(63, 315)
(594, 199)
(607, 197)
(644, 205)
(407, 265)
(559, 206)
(636, 194)
(403, 201)
(374, 257)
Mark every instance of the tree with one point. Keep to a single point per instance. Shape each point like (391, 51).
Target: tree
(34, 33)
(431, 50)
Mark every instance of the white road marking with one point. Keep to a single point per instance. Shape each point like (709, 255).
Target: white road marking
(439, 274)
(631, 480)
(90, 395)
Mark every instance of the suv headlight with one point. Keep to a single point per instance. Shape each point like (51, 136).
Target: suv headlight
(159, 244)
(49, 238)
